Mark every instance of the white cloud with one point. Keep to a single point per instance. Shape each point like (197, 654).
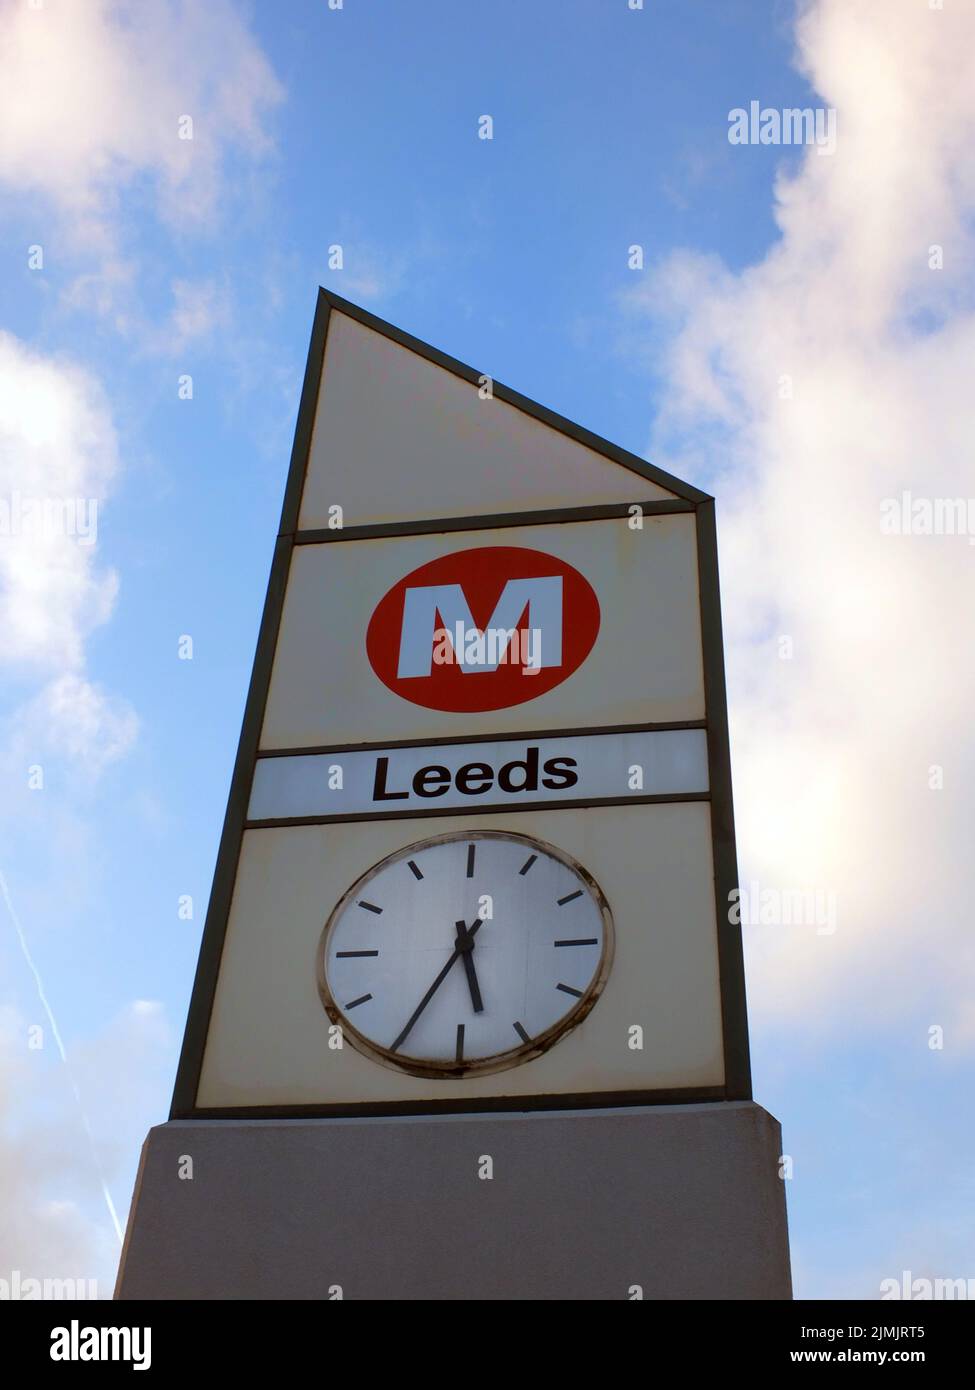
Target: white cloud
(833, 747)
(54, 1223)
(366, 273)
(111, 291)
(74, 719)
(58, 456)
(95, 99)
(371, 270)
(93, 94)
(199, 308)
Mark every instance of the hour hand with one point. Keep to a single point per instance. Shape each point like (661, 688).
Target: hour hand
(465, 948)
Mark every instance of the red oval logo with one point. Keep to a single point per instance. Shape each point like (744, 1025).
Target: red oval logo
(483, 629)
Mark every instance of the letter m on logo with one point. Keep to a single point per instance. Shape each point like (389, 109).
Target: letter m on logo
(541, 598)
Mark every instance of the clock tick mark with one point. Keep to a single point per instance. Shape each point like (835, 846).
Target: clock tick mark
(521, 1033)
(362, 999)
(370, 907)
(416, 871)
(527, 864)
(470, 860)
(346, 955)
(579, 941)
(567, 989)
(570, 897)
(459, 1054)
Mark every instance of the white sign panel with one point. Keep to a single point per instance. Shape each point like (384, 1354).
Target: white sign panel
(509, 773)
(479, 850)
(269, 1037)
(604, 616)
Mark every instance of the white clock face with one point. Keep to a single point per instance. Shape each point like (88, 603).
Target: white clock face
(465, 952)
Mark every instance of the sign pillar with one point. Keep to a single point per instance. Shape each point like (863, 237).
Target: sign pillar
(469, 1015)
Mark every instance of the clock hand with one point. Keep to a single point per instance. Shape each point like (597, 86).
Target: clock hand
(465, 944)
(468, 936)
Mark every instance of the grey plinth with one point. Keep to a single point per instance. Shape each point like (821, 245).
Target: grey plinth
(667, 1202)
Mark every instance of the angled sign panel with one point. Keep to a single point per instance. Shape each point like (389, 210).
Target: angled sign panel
(449, 458)
(479, 849)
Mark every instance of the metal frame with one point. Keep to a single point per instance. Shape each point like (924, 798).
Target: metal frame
(687, 499)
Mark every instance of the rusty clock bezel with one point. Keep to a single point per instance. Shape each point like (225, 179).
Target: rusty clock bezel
(431, 1068)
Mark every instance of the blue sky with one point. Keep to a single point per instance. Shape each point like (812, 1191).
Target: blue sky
(359, 127)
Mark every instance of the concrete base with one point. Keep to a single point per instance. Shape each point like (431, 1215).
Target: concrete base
(683, 1201)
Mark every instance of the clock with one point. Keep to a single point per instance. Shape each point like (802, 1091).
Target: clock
(467, 952)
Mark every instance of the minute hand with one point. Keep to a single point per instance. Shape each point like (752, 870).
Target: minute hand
(469, 934)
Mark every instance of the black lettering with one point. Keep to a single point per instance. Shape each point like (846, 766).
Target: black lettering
(379, 792)
(530, 768)
(560, 777)
(436, 778)
(481, 771)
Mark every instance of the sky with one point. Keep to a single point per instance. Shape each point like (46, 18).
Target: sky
(795, 337)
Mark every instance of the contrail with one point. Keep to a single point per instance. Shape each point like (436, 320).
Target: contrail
(18, 928)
